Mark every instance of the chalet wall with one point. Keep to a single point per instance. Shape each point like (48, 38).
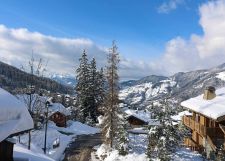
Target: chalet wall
(59, 119)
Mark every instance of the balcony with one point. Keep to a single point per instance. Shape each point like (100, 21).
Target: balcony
(189, 122)
(213, 132)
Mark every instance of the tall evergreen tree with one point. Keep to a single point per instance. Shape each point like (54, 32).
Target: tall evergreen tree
(93, 91)
(113, 129)
(101, 90)
(82, 88)
(164, 138)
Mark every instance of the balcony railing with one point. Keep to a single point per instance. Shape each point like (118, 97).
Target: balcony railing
(201, 129)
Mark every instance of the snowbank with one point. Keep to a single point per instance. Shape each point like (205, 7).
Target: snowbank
(103, 151)
(54, 133)
(112, 155)
(76, 128)
(221, 76)
(14, 116)
(22, 152)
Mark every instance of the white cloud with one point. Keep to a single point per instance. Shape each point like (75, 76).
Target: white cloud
(167, 7)
(199, 51)
(16, 46)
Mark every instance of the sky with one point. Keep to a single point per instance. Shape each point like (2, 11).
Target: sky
(153, 36)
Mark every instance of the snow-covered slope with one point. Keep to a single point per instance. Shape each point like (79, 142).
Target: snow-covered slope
(180, 86)
(140, 93)
(21, 151)
(67, 80)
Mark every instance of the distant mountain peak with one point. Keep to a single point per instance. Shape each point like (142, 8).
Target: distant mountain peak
(65, 79)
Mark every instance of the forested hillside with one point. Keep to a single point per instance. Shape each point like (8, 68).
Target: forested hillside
(12, 78)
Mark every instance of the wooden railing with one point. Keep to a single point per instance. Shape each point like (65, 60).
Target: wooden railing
(189, 122)
(201, 129)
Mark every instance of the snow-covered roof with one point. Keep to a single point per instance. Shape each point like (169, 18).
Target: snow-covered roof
(140, 114)
(14, 116)
(214, 108)
(179, 116)
(58, 107)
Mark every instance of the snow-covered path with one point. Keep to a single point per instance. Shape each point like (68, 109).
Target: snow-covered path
(81, 147)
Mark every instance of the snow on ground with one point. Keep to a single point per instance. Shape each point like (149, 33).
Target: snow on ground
(185, 154)
(138, 143)
(77, 128)
(112, 155)
(21, 151)
(221, 76)
(54, 133)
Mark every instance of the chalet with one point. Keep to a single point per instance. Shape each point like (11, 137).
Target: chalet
(139, 118)
(14, 119)
(58, 114)
(207, 122)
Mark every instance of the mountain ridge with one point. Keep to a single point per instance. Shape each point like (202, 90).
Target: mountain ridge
(178, 87)
(12, 78)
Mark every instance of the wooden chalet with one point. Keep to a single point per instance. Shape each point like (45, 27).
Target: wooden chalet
(207, 121)
(59, 114)
(59, 119)
(136, 121)
(14, 119)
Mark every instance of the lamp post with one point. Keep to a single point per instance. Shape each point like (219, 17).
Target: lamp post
(46, 124)
(30, 91)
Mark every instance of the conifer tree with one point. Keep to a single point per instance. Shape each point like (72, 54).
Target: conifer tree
(164, 138)
(101, 90)
(82, 88)
(113, 125)
(93, 91)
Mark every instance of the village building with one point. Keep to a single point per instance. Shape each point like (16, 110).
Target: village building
(14, 120)
(206, 121)
(139, 118)
(58, 114)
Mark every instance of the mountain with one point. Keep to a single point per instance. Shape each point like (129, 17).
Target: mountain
(152, 78)
(178, 87)
(12, 78)
(66, 80)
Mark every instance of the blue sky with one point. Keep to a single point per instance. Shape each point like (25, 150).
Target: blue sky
(143, 29)
(135, 24)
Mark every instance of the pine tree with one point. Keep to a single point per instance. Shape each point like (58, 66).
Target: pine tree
(163, 139)
(93, 91)
(121, 135)
(82, 88)
(113, 126)
(101, 90)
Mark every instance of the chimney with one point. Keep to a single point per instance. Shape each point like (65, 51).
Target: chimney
(209, 93)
